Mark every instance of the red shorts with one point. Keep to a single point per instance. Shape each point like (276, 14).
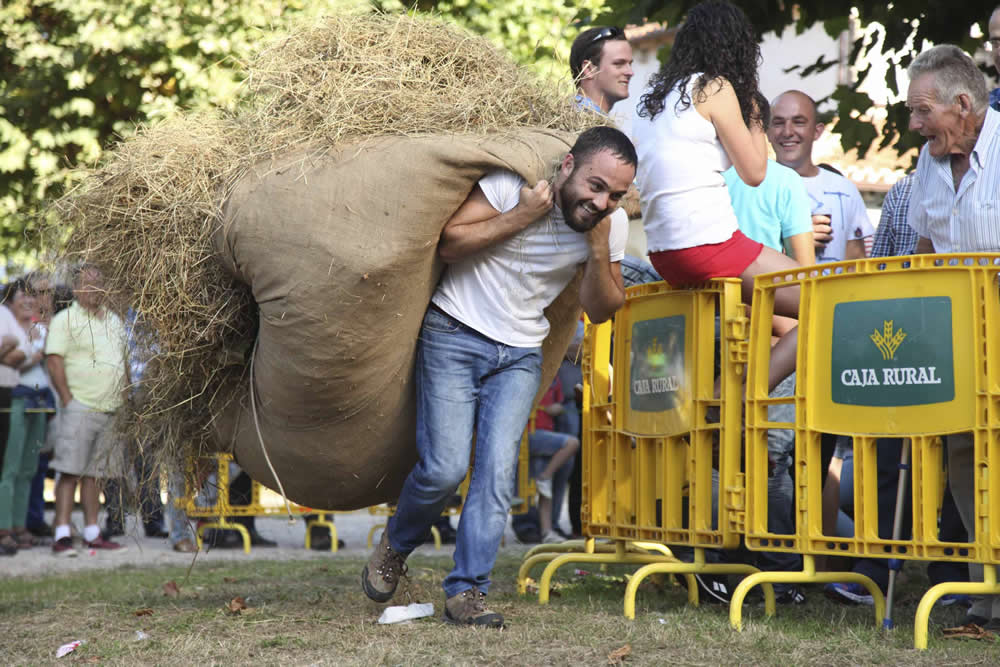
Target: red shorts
(713, 260)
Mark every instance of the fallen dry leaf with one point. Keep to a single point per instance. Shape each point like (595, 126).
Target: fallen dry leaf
(618, 656)
(229, 580)
(171, 590)
(143, 612)
(237, 604)
(969, 631)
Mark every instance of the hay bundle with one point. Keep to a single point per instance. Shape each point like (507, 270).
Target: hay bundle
(197, 220)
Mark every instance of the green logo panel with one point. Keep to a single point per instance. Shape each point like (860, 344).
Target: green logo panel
(656, 368)
(893, 352)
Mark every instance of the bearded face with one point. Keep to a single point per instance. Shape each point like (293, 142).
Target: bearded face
(593, 189)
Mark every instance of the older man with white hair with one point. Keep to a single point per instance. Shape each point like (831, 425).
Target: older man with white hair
(953, 208)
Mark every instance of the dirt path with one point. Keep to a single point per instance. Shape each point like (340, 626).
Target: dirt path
(142, 551)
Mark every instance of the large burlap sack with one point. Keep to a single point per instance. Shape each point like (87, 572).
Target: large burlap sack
(340, 253)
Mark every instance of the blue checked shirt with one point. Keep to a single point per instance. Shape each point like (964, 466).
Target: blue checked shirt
(894, 235)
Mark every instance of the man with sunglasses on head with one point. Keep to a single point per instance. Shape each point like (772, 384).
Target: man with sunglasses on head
(600, 61)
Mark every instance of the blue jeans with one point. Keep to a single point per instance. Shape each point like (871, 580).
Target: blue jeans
(542, 446)
(780, 487)
(465, 383)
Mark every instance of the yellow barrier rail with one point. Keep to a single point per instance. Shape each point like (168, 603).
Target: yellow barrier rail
(893, 347)
(661, 438)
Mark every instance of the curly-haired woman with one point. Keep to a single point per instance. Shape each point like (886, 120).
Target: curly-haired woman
(701, 113)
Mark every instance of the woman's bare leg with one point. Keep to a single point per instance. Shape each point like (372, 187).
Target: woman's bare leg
(786, 303)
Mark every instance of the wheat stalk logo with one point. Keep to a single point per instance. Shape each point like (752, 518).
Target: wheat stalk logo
(887, 341)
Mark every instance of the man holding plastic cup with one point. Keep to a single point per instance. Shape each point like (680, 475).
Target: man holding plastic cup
(840, 221)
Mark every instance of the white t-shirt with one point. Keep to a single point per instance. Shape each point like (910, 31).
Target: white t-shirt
(682, 193)
(502, 291)
(35, 377)
(9, 377)
(833, 195)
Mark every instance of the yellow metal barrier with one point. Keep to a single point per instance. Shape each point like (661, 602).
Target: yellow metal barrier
(656, 434)
(219, 512)
(889, 347)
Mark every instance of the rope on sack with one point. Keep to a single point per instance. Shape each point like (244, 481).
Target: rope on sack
(260, 437)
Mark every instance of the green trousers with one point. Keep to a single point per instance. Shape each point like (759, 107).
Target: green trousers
(24, 441)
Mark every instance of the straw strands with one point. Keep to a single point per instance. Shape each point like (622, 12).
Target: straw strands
(147, 215)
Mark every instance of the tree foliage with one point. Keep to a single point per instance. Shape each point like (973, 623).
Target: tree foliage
(76, 75)
(905, 23)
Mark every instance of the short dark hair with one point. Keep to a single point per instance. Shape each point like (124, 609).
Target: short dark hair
(603, 138)
(11, 289)
(589, 45)
(764, 109)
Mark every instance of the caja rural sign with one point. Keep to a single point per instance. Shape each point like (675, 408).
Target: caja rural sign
(657, 364)
(893, 352)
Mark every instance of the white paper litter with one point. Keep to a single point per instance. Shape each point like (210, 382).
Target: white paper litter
(66, 649)
(140, 635)
(399, 614)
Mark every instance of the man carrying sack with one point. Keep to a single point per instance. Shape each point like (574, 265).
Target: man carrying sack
(510, 249)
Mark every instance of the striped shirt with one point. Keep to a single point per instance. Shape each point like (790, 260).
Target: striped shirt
(894, 235)
(967, 220)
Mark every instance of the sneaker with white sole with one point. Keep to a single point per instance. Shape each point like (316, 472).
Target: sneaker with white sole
(850, 593)
(955, 598)
(714, 588)
(790, 595)
(102, 544)
(64, 547)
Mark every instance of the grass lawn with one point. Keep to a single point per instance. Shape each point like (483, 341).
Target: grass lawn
(309, 612)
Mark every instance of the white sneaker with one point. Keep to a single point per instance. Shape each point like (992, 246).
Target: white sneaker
(552, 537)
(544, 487)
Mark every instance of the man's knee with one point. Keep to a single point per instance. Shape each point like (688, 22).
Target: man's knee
(440, 478)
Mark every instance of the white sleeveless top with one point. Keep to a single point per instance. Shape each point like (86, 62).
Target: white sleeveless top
(682, 193)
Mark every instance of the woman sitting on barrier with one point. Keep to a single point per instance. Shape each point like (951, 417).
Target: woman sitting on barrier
(701, 114)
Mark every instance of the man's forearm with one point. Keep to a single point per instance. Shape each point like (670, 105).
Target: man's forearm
(460, 241)
(57, 375)
(854, 249)
(601, 293)
(14, 358)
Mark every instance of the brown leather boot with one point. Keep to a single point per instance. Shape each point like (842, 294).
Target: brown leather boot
(380, 576)
(469, 608)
